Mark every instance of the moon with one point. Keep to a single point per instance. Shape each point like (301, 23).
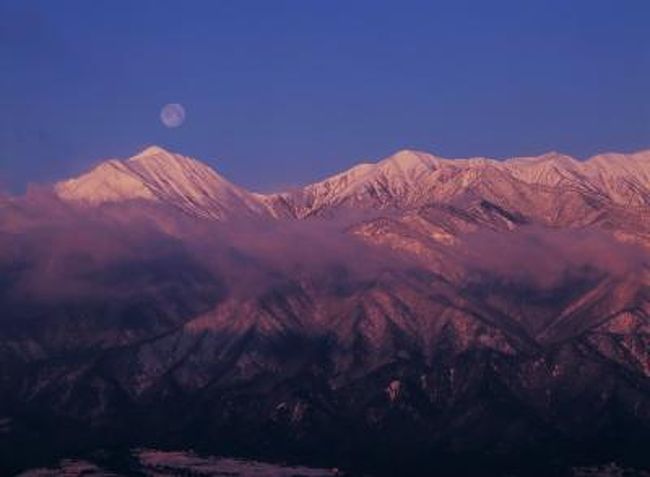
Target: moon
(172, 115)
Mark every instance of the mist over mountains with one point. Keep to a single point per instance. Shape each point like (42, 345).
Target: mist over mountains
(417, 313)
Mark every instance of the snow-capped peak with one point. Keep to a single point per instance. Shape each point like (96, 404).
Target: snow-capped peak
(158, 175)
(408, 159)
(151, 151)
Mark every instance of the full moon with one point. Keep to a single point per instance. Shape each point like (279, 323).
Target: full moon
(172, 115)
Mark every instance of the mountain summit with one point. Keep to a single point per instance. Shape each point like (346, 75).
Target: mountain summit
(156, 174)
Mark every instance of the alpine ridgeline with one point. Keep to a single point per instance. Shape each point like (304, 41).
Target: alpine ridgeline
(460, 315)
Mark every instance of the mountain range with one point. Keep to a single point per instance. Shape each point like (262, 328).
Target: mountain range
(411, 316)
(407, 179)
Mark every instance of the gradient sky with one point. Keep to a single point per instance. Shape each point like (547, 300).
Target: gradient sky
(281, 93)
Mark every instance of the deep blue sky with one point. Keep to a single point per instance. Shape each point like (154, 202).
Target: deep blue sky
(284, 92)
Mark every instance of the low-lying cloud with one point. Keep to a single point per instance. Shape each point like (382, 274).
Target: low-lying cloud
(545, 257)
(51, 251)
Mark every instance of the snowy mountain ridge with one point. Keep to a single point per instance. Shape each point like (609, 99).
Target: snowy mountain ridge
(404, 180)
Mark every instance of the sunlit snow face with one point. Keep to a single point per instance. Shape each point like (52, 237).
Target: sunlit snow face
(172, 115)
